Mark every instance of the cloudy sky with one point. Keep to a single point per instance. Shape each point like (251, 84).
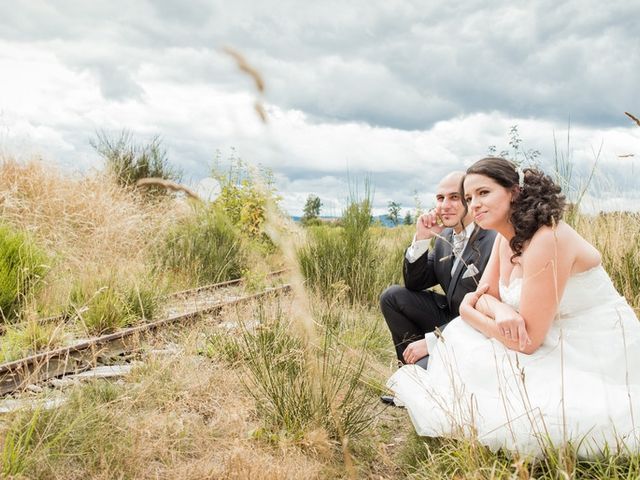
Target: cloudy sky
(399, 92)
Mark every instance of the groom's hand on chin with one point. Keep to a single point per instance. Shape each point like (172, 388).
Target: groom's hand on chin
(428, 226)
(415, 351)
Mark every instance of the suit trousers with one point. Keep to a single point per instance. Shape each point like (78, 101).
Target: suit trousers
(410, 314)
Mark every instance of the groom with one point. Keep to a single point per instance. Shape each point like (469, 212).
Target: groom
(456, 262)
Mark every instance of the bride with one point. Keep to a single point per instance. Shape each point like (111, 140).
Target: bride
(545, 353)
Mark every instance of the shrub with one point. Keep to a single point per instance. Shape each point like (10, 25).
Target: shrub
(244, 195)
(204, 246)
(22, 266)
(351, 256)
(129, 161)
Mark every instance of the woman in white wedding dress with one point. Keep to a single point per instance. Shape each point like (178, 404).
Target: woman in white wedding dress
(545, 352)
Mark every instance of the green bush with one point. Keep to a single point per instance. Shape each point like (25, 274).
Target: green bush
(22, 266)
(205, 246)
(244, 196)
(350, 256)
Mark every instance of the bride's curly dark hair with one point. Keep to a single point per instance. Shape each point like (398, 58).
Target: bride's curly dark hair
(538, 202)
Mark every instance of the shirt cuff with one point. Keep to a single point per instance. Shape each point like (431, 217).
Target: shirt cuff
(417, 249)
(431, 340)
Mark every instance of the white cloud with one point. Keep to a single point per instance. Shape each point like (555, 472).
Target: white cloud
(400, 91)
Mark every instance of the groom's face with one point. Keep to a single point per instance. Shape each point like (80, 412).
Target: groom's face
(449, 202)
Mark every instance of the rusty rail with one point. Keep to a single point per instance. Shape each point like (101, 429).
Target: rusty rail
(182, 293)
(42, 366)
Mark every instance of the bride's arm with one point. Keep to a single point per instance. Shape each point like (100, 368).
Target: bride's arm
(480, 309)
(546, 268)
(490, 298)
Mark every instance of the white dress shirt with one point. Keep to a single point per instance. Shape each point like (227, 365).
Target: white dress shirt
(418, 247)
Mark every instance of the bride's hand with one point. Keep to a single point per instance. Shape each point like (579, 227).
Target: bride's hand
(511, 326)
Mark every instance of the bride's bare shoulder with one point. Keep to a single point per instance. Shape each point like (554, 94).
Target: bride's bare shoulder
(564, 241)
(558, 233)
(553, 240)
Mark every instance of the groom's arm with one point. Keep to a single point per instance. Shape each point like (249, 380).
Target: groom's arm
(419, 263)
(419, 266)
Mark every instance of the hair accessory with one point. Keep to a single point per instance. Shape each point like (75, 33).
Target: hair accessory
(520, 173)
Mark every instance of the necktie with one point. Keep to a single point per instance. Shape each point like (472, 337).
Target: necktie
(458, 244)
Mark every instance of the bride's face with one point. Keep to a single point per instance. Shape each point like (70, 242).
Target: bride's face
(488, 201)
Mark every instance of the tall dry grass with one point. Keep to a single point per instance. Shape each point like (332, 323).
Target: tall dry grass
(168, 420)
(91, 226)
(617, 236)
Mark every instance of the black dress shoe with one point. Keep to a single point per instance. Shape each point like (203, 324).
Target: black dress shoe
(389, 400)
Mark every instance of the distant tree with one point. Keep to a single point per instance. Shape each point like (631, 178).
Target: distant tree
(394, 212)
(311, 210)
(408, 219)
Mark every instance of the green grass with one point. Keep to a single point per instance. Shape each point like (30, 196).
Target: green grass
(205, 247)
(22, 267)
(82, 433)
(299, 387)
(351, 259)
(28, 338)
(441, 458)
(105, 306)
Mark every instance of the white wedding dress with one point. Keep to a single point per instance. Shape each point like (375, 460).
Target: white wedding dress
(582, 385)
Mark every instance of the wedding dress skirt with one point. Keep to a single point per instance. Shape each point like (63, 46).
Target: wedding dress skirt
(581, 386)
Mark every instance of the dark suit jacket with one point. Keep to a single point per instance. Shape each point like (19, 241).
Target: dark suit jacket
(434, 267)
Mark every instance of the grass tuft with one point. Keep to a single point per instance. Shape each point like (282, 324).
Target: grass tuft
(299, 388)
(204, 246)
(351, 257)
(22, 266)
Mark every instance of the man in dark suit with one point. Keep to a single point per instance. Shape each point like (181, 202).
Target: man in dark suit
(456, 262)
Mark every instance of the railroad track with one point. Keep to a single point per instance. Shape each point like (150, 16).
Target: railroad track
(191, 294)
(37, 368)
